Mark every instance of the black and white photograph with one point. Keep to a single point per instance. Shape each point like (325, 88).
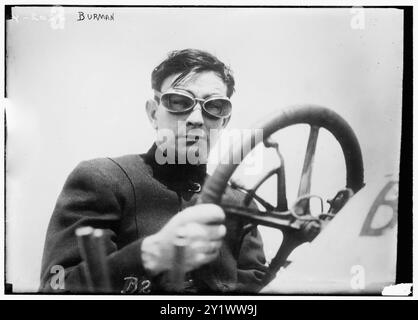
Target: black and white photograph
(206, 150)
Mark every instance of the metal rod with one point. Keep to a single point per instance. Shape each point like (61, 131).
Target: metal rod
(177, 273)
(83, 237)
(93, 252)
(102, 272)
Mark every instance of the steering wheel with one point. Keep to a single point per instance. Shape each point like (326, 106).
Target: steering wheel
(297, 224)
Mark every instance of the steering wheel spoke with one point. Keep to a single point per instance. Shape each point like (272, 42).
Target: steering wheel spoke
(251, 194)
(306, 176)
(281, 204)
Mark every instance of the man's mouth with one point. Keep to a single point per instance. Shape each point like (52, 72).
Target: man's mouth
(190, 140)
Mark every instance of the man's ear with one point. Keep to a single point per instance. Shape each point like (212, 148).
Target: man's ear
(151, 108)
(225, 122)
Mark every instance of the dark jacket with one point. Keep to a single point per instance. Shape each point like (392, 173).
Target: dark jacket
(132, 197)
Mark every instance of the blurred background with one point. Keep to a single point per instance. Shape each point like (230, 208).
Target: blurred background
(77, 90)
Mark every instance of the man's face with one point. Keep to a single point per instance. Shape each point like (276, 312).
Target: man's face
(190, 135)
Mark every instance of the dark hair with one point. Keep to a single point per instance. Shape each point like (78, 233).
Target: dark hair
(191, 60)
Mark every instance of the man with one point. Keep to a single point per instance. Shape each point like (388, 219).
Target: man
(146, 203)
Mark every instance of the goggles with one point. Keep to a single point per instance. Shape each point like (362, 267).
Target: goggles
(181, 103)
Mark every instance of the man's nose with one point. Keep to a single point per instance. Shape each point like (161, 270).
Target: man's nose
(195, 117)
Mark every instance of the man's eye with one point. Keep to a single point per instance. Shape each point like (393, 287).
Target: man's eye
(179, 103)
(215, 107)
(178, 100)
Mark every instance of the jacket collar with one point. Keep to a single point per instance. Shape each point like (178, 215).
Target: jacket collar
(176, 176)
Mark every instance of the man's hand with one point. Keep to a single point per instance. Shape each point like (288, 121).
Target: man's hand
(199, 227)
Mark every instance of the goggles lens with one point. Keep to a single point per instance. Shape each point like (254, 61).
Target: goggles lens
(181, 103)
